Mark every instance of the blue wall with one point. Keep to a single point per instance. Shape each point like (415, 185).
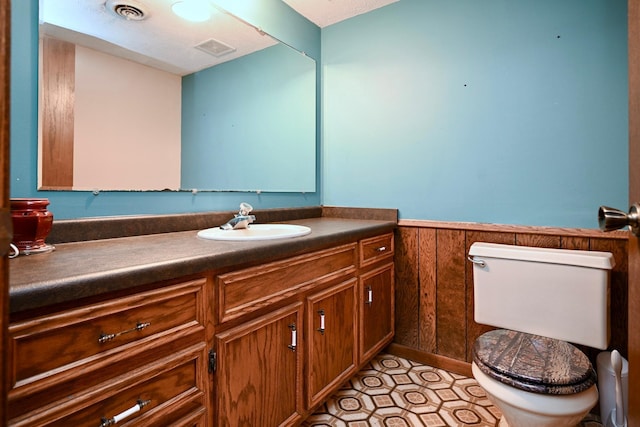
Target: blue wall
(498, 111)
(66, 204)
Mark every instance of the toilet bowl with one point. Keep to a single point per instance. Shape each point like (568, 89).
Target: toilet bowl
(525, 409)
(540, 299)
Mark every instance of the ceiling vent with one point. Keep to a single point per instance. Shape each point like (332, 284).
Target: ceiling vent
(215, 48)
(127, 9)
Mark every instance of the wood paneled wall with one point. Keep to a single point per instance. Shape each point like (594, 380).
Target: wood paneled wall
(434, 284)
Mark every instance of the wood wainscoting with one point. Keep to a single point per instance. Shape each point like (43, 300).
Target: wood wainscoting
(434, 285)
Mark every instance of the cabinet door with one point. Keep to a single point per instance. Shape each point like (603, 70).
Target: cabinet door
(259, 369)
(332, 342)
(376, 310)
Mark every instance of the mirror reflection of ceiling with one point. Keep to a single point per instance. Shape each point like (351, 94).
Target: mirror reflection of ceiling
(327, 12)
(148, 32)
(165, 41)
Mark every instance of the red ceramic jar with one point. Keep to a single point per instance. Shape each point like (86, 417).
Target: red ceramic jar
(31, 224)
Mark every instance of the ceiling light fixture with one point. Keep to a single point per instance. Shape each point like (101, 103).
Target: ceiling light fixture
(192, 10)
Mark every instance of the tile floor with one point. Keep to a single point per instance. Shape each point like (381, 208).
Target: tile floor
(395, 392)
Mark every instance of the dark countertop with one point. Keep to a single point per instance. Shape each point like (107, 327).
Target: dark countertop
(78, 270)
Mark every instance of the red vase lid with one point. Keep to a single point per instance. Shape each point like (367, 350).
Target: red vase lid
(26, 202)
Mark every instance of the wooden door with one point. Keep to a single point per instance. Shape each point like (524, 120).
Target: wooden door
(634, 196)
(331, 332)
(5, 214)
(258, 377)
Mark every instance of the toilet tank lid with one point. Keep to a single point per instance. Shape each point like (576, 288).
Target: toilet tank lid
(590, 259)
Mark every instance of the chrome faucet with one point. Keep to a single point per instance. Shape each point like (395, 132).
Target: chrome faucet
(240, 220)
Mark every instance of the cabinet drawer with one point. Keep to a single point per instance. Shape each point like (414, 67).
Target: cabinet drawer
(51, 344)
(166, 391)
(375, 249)
(250, 289)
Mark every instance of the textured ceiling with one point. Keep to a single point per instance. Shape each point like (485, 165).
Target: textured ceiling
(164, 41)
(327, 12)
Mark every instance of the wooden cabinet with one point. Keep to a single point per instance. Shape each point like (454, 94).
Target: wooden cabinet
(332, 352)
(334, 306)
(256, 346)
(376, 289)
(259, 371)
(265, 347)
(139, 357)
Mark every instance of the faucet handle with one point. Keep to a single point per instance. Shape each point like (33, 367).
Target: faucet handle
(245, 208)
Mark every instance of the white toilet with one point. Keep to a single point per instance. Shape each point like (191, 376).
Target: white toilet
(542, 298)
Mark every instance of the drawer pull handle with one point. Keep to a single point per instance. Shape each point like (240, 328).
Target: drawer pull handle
(108, 337)
(321, 328)
(294, 337)
(382, 249)
(124, 414)
(13, 250)
(369, 295)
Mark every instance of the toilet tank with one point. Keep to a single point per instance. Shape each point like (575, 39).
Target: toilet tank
(556, 293)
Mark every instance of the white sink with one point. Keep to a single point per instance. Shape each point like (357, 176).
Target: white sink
(256, 232)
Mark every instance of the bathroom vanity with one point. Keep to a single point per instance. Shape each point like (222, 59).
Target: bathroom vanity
(168, 328)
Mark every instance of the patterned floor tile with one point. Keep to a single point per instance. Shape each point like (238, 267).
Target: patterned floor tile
(395, 392)
(416, 399)
(462, 413)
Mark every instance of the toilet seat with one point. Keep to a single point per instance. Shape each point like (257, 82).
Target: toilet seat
(533, 363)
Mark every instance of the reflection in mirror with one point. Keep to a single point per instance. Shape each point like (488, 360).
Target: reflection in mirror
(250, 123)
(118, 112)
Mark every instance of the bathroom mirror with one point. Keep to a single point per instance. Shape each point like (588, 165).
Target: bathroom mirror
(125, 105)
